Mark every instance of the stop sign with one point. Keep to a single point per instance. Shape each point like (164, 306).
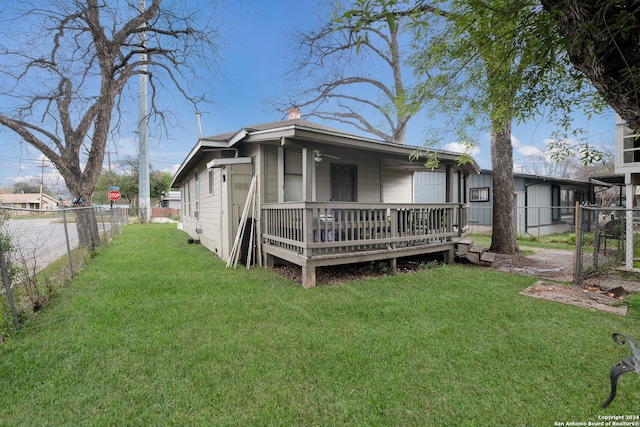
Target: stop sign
(114, 195)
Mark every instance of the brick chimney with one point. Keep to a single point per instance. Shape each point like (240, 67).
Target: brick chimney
(294, 113)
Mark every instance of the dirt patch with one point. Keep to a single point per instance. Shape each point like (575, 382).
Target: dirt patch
(589, 298)
(544, 263)
(597, 292)
(360, 271)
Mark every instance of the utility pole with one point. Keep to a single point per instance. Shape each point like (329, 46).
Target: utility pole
(109, 153)
(42, 166)
(144, 196)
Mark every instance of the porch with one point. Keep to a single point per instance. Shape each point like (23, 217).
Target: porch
(314, 234)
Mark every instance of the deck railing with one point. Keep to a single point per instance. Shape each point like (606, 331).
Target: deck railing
(313, 228)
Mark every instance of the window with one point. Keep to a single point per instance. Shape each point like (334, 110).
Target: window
(188, 199)
(479, 194)
(197, 186)
(211, 187)
(563, 202)
(567, 201)
(630, 147)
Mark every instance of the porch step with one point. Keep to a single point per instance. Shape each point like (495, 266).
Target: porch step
(474, 254)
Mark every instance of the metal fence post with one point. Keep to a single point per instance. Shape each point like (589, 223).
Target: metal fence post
(577, 273)
(94, 227)
(7, 287)
(104, 228)
(66, 239)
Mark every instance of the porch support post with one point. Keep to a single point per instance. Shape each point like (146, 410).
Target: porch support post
(449, 185)
(307, 174)
(449, 256)
(630, 182)
(393, 266)
(308, 276)
(449, 196)
(281, 172)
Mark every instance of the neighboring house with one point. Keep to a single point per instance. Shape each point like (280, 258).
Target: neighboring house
(29, 201)
(171, 200)
(627, 162)
(169, 206)
(322, 196)
(543, 205)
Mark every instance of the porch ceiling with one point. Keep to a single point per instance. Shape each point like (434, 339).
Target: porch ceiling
(396, 155)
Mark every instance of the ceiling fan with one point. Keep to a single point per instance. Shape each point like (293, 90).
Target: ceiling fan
(318, 156)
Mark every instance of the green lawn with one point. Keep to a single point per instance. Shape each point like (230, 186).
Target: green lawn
(564, 241)
(155, 331)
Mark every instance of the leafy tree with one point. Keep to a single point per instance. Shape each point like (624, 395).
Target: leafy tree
(65, 67)
(128, 183)
(160, 184)
(487, 63)
(28, 188)
(601, 38)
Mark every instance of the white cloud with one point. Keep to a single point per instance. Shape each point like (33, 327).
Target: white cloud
(172, 170)
(515, 142)
(519, 168)
(457, 147)
(529, 150)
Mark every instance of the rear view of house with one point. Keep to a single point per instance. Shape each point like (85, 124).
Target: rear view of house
(321, 196)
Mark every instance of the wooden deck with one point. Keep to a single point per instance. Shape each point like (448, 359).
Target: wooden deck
(313, 234)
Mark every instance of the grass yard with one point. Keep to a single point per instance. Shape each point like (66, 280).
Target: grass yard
(566, 241)
(155, 332)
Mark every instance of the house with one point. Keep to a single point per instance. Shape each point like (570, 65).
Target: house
(627, 163)
(171, 200)
(322, 196)
(543, 205)
(29, 201)
(169, 205)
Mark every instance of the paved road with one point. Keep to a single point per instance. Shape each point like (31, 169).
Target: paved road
(38, 242)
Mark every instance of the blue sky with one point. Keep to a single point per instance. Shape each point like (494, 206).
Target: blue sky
(255, 40)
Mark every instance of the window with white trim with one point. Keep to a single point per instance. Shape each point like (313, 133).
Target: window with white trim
(479, 194)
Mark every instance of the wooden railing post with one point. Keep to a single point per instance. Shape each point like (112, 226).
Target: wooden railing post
(307, 229)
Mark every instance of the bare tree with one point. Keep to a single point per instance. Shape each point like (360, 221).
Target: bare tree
(357, 81)
(66, 64)
(543, 163)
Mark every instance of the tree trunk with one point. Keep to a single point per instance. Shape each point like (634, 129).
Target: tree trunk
(503, 240)
(87, 228)
(82, 188)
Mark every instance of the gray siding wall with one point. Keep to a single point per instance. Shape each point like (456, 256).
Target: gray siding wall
(396, 186)
(269, 165)
(539, 205)
(430, 187)
(480, 213)
(207, 204)
(369, 175)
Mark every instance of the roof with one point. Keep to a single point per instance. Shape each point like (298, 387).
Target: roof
(24, 198)
(305, 131)
(544, 178)
(608, 180)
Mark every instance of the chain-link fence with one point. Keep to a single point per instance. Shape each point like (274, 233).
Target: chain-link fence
(605, 242)
(41, 250)
(528, 221)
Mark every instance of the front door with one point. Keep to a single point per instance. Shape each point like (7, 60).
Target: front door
(343, 182)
